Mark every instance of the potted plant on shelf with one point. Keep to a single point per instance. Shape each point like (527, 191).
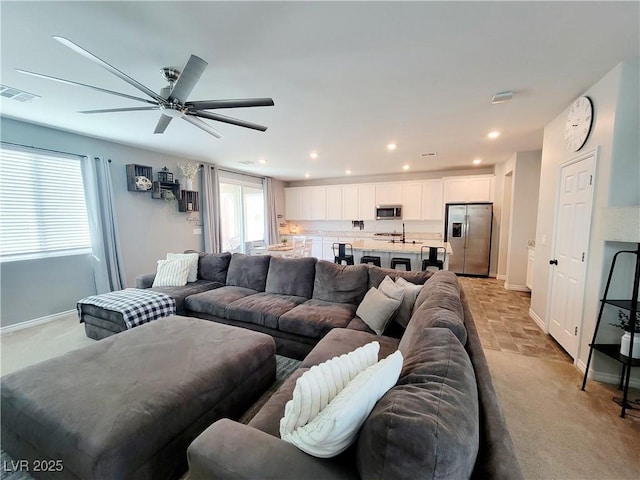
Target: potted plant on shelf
(188, 171)
(625, 324)
(284, 241)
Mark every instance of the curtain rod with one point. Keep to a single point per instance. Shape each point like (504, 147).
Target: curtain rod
(232, 171)
(43, 149)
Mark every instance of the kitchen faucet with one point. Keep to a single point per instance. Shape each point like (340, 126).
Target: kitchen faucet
(403, 237)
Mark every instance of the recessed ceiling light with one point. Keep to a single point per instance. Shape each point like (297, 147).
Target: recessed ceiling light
(391, 146)
(307, 175)
(262, 161)
(405, 167)
(493, 134)
(313, 154)
(477, 161)
(348, 172)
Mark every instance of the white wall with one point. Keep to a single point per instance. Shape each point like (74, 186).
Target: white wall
(524, 209)
(617, 182)
(148, 229)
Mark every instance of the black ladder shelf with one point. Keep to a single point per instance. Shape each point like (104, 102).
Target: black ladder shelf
(612, 350)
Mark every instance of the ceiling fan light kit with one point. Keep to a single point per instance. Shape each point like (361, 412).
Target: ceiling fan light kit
(172, 100)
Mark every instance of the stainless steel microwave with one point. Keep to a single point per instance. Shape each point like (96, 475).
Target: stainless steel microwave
(388, 212)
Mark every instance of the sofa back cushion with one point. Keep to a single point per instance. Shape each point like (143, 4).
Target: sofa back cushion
(441, 281)
(248, 271)
(214, 266)
(340, 283)
(427, 426)
(291, 276)
(377, 274)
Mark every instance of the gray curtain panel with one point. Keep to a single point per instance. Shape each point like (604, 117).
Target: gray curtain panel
(211, 209)
(271, 221)
(108, 270)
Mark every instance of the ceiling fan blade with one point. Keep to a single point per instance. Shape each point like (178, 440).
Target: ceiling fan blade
(78, 49)
(241, 102)
(116, 110)
(200, 124)
(69, 82)
(162, 124)
(188, 78)
(225, 119)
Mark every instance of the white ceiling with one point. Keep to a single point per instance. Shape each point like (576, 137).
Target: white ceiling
(346, 77)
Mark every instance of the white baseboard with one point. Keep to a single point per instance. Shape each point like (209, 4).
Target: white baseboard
(534, 316)
(605, 377)
(35, 321)
(517, 288)
(501, 277)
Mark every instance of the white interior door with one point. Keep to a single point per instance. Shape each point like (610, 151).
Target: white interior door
(573, 223)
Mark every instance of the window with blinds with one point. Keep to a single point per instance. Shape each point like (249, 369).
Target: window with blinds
(42, 206)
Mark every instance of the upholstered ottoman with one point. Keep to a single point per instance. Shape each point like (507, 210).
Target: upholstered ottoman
(128, 406)
(113, 312)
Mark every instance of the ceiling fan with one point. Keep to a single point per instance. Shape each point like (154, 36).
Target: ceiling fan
(172, 100)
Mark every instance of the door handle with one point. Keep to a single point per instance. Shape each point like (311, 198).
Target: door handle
(553, 262)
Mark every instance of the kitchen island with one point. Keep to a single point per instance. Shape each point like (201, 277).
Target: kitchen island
(386, 249)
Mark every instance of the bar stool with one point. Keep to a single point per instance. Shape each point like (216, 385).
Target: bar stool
(432, 260)
(340, 253)
(371, 259)
(401, 261)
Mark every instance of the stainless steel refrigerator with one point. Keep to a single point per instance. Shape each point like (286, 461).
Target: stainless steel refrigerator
(468, 231)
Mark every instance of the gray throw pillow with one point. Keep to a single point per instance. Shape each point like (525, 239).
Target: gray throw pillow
(377, 309)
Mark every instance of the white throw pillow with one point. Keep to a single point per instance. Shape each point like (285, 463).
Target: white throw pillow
(376, 309)
(391, 289)
(172, 273)
(411, 292)
(336, 427)
(321, 383)
(193, 263)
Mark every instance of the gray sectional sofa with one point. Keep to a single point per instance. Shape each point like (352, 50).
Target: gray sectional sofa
(441, 420)
(295, 300)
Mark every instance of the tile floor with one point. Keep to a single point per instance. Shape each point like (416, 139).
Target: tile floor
(502, 318)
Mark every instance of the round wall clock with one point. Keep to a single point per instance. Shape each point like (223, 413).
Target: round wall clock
(579, 123)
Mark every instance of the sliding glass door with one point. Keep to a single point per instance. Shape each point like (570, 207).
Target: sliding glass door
(242, 212)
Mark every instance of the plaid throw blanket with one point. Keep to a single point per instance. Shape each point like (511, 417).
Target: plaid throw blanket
(137, 306)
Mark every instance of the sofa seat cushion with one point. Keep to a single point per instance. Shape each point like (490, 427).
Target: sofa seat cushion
(215, 302)
(214, 266)
(340, 283)
(248, 271)
(291, 276)
(262, 308)
(180, 293)
(427, 426)
(315, 318)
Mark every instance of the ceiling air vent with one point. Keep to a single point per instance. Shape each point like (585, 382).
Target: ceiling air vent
(19, 95)
(429, 154)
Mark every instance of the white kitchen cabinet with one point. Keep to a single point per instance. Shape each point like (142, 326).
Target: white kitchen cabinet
(350, 202)
(411, 201)
(388, 194)
(432, 200)
(318, 203)
(477, 188)
(327, 248)
(291, 203)
(358, 202)
(366, 202)
(334, 203)
(304, 203)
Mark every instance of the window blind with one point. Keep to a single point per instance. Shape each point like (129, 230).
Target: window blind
(42, 205)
